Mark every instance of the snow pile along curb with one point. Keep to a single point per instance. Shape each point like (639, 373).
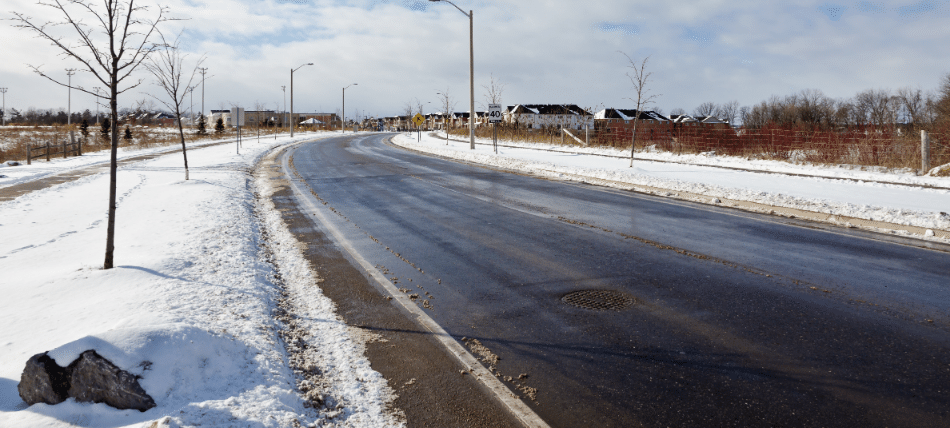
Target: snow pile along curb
(189, 308)
(897, 208)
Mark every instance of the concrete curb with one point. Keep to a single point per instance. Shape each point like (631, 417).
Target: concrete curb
(793, 213)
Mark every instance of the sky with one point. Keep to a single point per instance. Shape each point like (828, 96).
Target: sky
(542, 51)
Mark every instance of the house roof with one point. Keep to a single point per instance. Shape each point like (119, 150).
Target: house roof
(547, 109)
(681, 118)
(629, 114)
(709, 119)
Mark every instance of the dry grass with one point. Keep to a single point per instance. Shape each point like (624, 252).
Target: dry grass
(885, 148)
(14, 139)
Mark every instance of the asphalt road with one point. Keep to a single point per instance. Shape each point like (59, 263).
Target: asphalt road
(721, 318)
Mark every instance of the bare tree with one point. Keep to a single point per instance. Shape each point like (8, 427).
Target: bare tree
(911, 105)
(677, 111)
(448, 107)
(876, 106)
(941, 103)
(639, 78)
(169, 69)
(493, 91)
(728, 111)
(111, 48)
(705, 109)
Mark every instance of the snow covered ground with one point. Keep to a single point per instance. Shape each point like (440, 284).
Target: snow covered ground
(203, 266)
(40, 168)
(190, 306)
(841, 191)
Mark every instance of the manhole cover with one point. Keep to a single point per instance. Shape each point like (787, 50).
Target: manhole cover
(600, 300)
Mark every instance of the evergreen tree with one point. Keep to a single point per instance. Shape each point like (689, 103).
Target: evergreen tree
(84, 129)
(202, 125)
(219, 126)
(106, 128)
(128, 133)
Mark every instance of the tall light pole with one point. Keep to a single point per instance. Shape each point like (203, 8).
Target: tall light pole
(343, 119)
(203, 71)
(471, 71)
(4, 114)
(292, 97)
(97, 89)
(191, 109)
(69, 103)
(284, 89)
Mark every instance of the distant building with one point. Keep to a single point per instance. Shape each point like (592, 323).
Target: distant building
(617, 125)
(548, 116)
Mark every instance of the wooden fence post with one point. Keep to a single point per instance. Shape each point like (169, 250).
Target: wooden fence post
(64, 148)
(29, 160)
(47, 150)
(924, 152)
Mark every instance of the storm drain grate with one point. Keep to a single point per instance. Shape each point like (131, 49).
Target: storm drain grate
(600, 300)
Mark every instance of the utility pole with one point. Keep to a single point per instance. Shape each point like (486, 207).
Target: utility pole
(343, 112)
(203, 71)
(471, 70)
(69, 109)
(69, 103)
(4, 92)
(97, 89)
(292, 70)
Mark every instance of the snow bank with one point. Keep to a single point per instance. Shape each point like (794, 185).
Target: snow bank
(188, 307)
(805, 187)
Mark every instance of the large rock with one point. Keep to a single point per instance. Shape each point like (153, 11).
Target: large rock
(97, 380)
(43, 381)
(89, 378)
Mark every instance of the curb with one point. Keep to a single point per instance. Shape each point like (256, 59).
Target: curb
(889, 229)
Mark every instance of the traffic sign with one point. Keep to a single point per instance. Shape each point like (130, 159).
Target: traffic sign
(418, 119)
(494, 113)
(237, 116)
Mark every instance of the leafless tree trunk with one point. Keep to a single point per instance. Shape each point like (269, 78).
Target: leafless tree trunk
(493, 91)
(448, 107)
(168, 69)
(728, 111)
(111, 49)
(705, 109)
(639, 78)
(911, 104)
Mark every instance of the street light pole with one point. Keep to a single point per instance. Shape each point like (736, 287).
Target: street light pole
(292, 97)
(203, 71)
(97, 89)
(4, 114)
(69, 103)
(343, 112)
(191, 108)
(471, 71)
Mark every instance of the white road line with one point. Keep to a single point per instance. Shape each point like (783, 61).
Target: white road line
(514, 404)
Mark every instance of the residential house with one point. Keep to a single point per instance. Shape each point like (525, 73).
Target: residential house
(617, 125)
(556, 116)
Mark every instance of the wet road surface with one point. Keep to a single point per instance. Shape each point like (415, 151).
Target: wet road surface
(718, 317)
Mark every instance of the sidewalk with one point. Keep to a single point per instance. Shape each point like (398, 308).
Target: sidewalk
(908, 205)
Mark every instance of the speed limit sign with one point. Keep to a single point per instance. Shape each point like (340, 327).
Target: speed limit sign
(494, 113)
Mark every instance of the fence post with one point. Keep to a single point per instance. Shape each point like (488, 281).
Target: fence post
(47, 150)
(64, 148)
(29, 160)
(924, 152)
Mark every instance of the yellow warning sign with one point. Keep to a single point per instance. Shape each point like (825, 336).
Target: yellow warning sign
(418, 119)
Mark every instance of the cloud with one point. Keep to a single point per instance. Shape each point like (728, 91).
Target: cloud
(545, 51)
(623, 28)
(832, 11)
